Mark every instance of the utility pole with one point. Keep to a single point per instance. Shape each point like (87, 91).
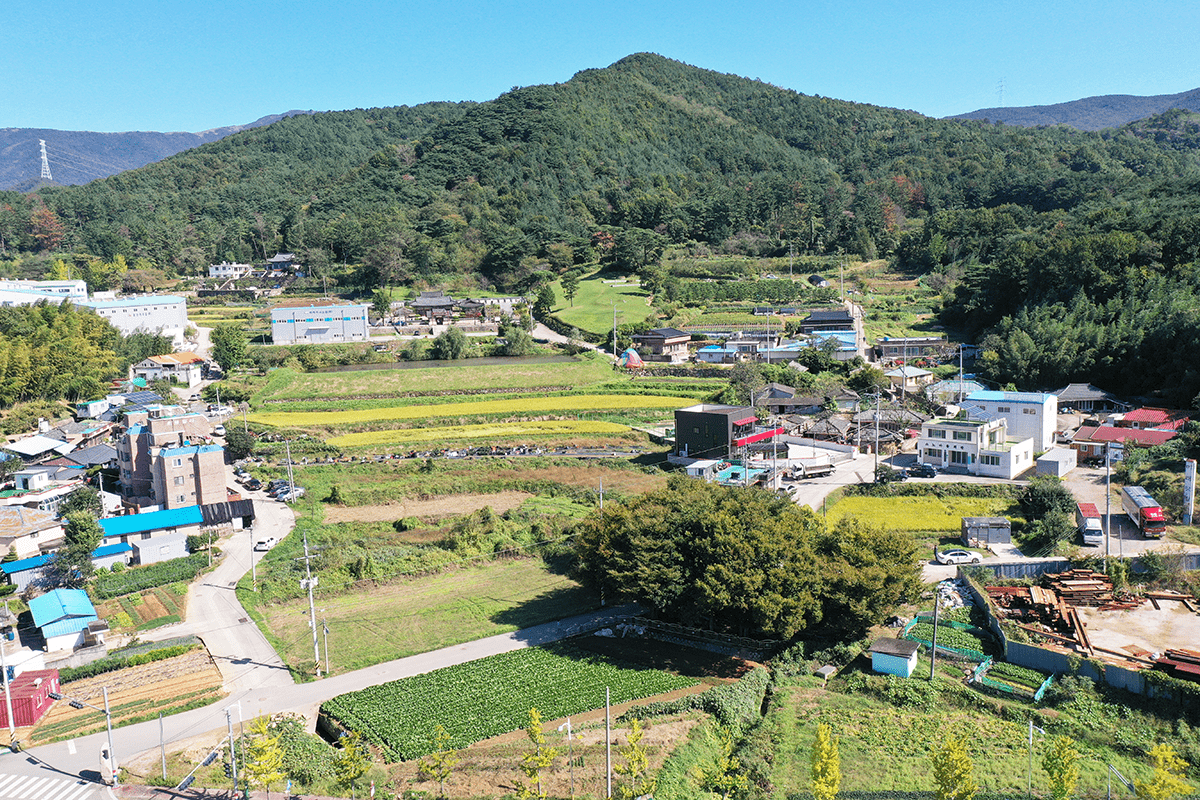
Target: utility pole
(232, 752)
(309, 583)
(325, 628)
(12, 730)
(608, 740)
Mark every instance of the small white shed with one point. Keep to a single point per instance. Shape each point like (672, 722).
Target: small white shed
(894, 656)
(1057, 462)
(160, 548)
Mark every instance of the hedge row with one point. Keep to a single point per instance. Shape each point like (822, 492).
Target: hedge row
(136, 579)
(735, 705)
(112, 663)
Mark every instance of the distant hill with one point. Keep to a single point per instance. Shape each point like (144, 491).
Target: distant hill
(82, 156)
(1090, 113)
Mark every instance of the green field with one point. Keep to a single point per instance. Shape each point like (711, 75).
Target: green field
(491, 696)
(374, 624)
(473, 408)
(928, 513)
(286, 384)
(592, 310)
(885, 745)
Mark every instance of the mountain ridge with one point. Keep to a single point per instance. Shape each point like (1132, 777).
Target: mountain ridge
(78, 157)
(1089, 113)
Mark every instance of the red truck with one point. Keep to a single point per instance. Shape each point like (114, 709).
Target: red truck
(1145, 511)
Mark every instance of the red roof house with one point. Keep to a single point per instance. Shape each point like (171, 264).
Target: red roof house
(30, 695)
(1154, 418)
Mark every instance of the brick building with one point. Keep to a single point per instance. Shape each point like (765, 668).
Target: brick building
(151, 431)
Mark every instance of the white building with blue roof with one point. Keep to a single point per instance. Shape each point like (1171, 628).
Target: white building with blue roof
(164, 314)
(64, 617)
(149, 524)
(1032, 415)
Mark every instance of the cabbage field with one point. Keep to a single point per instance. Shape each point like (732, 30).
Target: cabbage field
(484, 698)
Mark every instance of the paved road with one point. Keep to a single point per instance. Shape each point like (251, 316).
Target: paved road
(75, 757)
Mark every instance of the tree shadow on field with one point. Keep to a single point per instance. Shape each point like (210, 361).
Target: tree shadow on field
(556, 604)
(657, 460)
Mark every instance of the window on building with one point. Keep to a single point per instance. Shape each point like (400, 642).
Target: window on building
(1028, 411)
(1003, 409)
(991, 461)
(179, 480)
(962, 436)
(180, 498)
(179, 462)
(937, 433)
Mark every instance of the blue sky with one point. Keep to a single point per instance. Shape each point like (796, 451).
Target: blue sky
(121, 65)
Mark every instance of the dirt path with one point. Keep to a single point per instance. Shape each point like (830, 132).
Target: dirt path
(436, 507)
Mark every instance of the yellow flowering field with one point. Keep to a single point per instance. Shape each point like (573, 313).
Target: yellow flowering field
(508, 430)
(526, 405)
(918, 513)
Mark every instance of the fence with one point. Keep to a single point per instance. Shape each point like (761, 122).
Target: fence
(1033, 569)
(961, 653)
(713, 642)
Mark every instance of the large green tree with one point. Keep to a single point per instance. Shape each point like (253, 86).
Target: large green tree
(72, 564)
(229, 345)
(741, 560)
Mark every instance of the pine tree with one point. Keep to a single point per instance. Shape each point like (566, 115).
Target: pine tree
(826, 764)
(952, 770)
(536, 760)
(1061, 763)
(1167, 781)
(637, 763)
(439, 764)
(352, 762)
(263, 766)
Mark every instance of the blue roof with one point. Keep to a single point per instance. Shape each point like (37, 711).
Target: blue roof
(188, 450)
(1009, 397)
(23, 564)
(59, 604)
(151, 521)
(112, 549)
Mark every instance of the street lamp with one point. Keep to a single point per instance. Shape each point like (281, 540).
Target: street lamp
(108, 756)
(1113, 771)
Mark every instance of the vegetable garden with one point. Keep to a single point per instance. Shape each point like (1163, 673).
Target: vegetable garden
(491, 696)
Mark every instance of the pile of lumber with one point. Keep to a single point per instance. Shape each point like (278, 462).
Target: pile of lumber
(1082, 587)
(1188, 601)
(1184, 664)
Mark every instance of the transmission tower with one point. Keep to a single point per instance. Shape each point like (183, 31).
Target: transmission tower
(46, 176)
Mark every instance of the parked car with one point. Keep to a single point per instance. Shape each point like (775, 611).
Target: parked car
(254, 484)
(288, 497)
(219, 430)
(263, 545)
(958, 557)
(922, 470)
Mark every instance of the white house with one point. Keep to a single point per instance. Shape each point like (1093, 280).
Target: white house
(974, 444)
(185, 368)
(323, 324)
(1029, 414)
(225, 270)
(164, 314)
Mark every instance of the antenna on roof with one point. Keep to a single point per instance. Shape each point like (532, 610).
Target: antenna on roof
(45, 162)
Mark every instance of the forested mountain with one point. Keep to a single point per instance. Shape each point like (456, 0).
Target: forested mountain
(1090, 113)
(649, 152)
(80, 156)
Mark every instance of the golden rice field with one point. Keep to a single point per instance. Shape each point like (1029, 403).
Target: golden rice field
(528, 405)
(918, 513)
(508, 430)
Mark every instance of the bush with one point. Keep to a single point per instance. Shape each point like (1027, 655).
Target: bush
(734, 705)
(113, 663)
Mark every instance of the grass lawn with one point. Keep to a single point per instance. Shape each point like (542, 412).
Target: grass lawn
(886, 745)
(920, 513)
(382, 623)
(593, 306)
(287, 384)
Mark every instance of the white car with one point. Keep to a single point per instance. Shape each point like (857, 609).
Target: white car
(958, 557)
(219, 430)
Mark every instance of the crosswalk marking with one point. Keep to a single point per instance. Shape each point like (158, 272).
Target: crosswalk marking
(25, 787)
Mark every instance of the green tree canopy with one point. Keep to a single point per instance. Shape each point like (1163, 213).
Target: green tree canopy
(229, 345)
(742, 560)
(450, 345)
